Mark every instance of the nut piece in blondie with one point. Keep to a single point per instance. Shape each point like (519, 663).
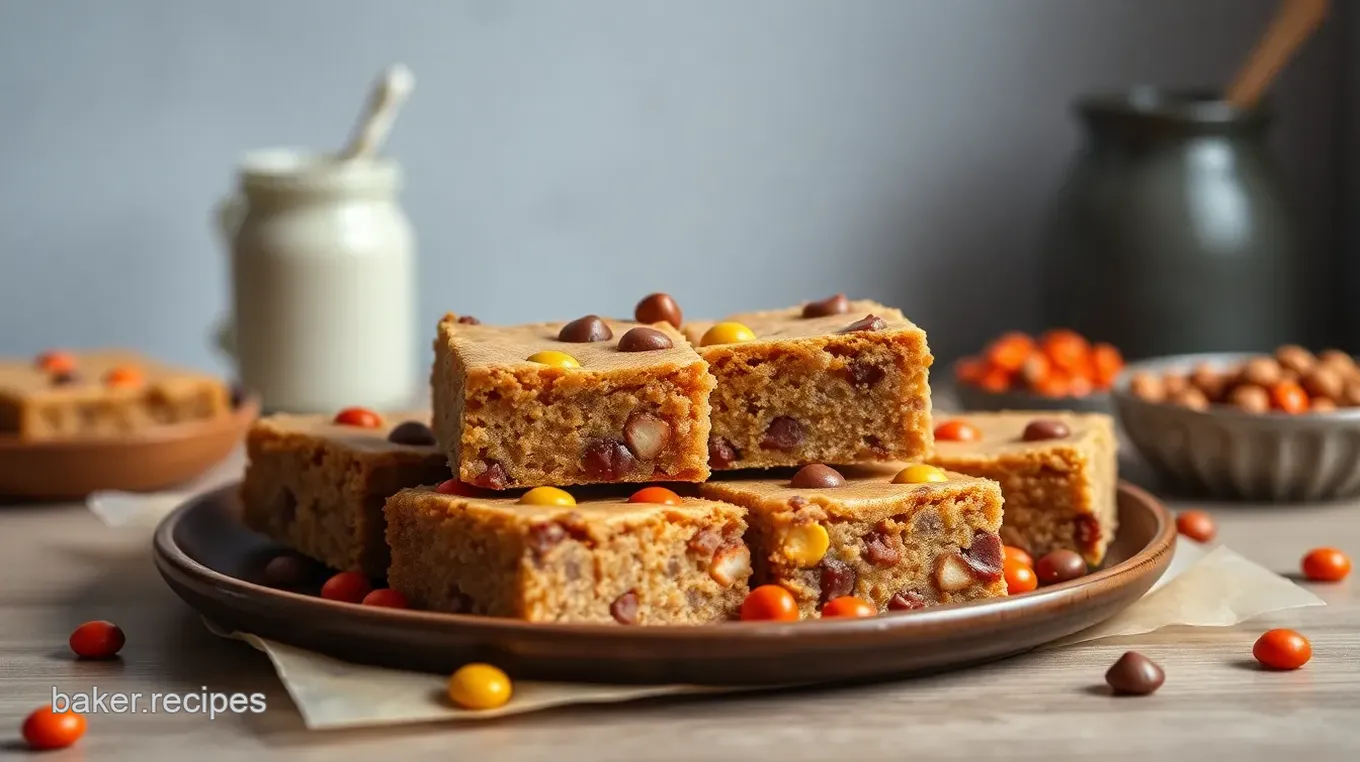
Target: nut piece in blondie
(590, 401)
(836, 381)
(900, 539)
(1057, 470)
(102, 394)
(318, 486)
(604, 559)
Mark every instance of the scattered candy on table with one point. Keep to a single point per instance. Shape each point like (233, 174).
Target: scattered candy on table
(44, 729)
(1134, 675)
(1326, 565)
(1197, 525)
(1282, 649)
(97, 640)
(479, 686)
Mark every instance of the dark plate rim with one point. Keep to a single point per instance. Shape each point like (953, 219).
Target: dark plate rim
(179, 567)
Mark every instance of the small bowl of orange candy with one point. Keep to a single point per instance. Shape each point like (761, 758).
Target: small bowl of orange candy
(1058, 370)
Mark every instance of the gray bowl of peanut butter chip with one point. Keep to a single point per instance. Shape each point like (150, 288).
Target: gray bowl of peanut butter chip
(1237, 426)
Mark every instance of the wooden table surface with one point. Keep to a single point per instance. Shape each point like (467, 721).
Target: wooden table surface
(60, 566)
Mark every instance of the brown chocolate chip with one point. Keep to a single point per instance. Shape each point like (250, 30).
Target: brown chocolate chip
(624, 609)
(646, 435)
(411, 433)
(658, 308)
(817, 476)
(607, 460)
(875, 446)
(544, 536)
(907, 600)
(1059, 566)
(864, 373)
(584, 330)
(985, 556)
(866, 323)
(783, 433)
(468, 320)
(68, 377)
(832, 305)
(721, 453)
(1134, 675)
(643, 339)
(493, 476)
(837, 579)
(880, 549)
(286, 571)
(705, 542)
(1045, 428)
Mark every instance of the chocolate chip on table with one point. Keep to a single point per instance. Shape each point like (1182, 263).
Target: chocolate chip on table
(907, 600)
(658, 308)
(783, 433)
(1059, 566)
(1134, 675)
(411, 433)
(832, 305)
(985, 556)
(624, 609)
(584, 330)
(721, 453)
(866, 323)
(1045, 428)
(643, 339)
(544, 536)
(493, 476)
(837, 579)
(817, 476)
(607, 459)
(646, 435)
(468, 320)
(286, 571)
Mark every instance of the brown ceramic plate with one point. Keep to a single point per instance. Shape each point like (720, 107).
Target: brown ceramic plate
(164, 456)
(207, 556)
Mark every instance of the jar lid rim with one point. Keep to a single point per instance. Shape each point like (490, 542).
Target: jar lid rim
(1187, 106)
(285, 166)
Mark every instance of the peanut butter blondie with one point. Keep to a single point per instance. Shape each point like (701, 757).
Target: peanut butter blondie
(100, 394)
(900, 539)
(318, 486)
(835, 381)
(603, 559)
(1058, 472)
(590, 401)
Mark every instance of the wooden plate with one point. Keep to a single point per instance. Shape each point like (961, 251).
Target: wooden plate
(207, 557)
(160, 457)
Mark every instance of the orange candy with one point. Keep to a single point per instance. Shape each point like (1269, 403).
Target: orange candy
(995, 380)
(97, 640)
(1106, 362)
(56, 362)
(957, 431)
(455, 487)
(45, 729)
(1282, 649)
(1068, 350)
(1197, 525)
(848, 606)
(656, 496)
(769, 603)
(1020, 577)
(359, 416)
(1010, 351)
(970, 370)
(1289, 397)
(347, 586)
(1017, 555)
(1326, 565)
(386, 598)
(1055, 384)
(123, 376)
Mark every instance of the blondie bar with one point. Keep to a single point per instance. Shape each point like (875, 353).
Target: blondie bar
(318, 486)
(898, 539)
(1057, 472)
(604, 559)
(99, 394)
(589, 401)
(835, 381)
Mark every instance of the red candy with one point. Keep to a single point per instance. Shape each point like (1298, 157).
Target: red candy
(386, 598)
(655, 495)
(348, 586)
(97, 640)
(45, 729)
(455, 487)
(359, 416)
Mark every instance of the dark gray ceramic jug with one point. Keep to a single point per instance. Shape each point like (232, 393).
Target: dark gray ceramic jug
(1173, 232)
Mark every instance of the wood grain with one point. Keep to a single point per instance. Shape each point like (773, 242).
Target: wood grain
(62, 567)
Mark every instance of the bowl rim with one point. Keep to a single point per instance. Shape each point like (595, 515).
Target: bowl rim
(247, 410)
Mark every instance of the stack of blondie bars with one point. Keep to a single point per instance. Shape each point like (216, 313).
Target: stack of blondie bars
(654, 471)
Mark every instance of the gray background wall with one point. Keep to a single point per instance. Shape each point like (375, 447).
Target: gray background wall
(566, 157)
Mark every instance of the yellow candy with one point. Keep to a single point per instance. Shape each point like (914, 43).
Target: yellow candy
(555, 359)
(805, 544)
(919, 474)
(727, 333)
(547, 496)
(479, 686)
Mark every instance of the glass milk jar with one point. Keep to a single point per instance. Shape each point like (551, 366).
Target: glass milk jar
(323, 278)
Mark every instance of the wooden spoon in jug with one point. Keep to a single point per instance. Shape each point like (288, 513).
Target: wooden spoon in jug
(380, 112)
(1294, 23)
